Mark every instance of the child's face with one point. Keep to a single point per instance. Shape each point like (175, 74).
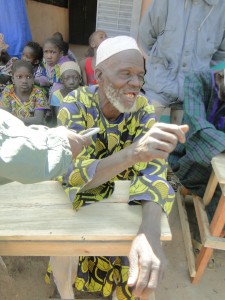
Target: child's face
(98, 38)
(70, 79)
(51, 54)
(23, 79)
(28, 55)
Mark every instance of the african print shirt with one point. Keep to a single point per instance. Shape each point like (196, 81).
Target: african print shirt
(26, 109)
(79, 111)
(56, 98)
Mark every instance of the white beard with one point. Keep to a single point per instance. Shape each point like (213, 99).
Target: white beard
(114, 97)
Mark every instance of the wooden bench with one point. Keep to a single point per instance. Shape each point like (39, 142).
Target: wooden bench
(210, 233)
(38, 220)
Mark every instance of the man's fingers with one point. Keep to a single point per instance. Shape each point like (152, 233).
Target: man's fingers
(154, 278)
(184, 128)
(177, 130)
(133, 269)
(86, 141)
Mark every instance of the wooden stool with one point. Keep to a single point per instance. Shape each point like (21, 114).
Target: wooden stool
(210, 233)
(38, 220)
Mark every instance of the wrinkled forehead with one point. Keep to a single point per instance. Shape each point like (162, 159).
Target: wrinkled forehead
(129, 58)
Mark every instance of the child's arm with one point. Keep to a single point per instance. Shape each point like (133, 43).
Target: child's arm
(37, 119)
(83, 72)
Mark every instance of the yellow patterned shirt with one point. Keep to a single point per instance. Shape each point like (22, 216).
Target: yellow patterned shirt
(79, 111)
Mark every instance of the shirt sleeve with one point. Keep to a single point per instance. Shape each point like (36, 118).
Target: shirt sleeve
(55, 100)
(219, 55)
(152, 24)
(5, 98)
(41, 100)
(149, 180)
(82, 169)
(31, 154)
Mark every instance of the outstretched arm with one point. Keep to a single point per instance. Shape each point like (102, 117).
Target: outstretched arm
(36, 153)
(158, 142)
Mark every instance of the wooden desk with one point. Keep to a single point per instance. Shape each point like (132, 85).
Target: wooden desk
(38, 220)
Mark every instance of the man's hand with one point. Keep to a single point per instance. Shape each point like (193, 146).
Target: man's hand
(146, 268)
(159, 141)
(77, 142)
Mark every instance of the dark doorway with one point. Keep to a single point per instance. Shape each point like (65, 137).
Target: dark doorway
(82, 20)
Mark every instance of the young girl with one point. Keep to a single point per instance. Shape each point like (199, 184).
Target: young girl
(70, 75)
(58, 35)
(53, 51)
(22, 98)
(88, 65)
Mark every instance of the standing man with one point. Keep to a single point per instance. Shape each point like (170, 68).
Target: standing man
(179, 36)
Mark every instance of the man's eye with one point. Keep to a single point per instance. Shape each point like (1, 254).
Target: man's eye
(29, 77)
(125, 74)
(18, 77)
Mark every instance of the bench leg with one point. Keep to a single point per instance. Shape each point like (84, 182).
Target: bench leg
(64, 269)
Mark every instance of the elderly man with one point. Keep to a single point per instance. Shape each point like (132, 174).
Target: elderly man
(128, 147)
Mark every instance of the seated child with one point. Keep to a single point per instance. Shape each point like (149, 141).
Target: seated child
(5, 64)
(33, 53)
(22, 98)
(53, 52)
(70, 75)
(67, 51)
(88, 64)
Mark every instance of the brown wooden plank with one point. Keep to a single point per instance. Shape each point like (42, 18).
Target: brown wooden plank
(218, 164)
(186, 234)
(30, 220)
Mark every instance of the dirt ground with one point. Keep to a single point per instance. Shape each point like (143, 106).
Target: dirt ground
(24, 277)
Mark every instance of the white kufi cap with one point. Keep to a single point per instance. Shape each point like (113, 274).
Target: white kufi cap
(112, 46)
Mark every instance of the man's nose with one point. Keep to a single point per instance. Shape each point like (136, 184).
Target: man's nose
(135, 81)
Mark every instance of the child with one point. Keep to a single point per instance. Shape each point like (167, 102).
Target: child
(88, 65)
(33, 53)
(67, 51)
(22, 98)
(53, 52)
(70, 75)
(5, 64)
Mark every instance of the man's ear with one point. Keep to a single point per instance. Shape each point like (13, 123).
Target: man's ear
(98, 75)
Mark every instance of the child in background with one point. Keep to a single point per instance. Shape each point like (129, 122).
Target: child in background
(33, 53)
(67, 51)
(70, 75)
(6, 63)
(22, 98)
(53, 52)
(88, 65)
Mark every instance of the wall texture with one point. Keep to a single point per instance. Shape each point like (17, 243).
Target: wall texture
(46, 19)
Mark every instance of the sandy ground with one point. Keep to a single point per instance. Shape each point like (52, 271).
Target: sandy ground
(24, 277)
